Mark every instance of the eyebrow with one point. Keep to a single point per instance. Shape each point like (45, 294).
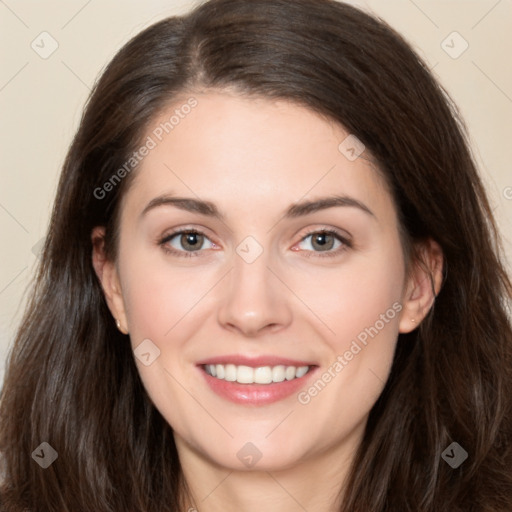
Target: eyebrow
(308, 207)
(299, 209)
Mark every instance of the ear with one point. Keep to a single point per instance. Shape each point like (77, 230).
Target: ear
(108, 276)
(423, 285)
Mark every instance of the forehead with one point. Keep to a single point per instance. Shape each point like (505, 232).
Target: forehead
(251, 153)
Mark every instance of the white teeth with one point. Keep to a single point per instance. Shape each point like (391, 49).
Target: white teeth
(278, 373)
(221, 373)
(260, 375)
(263, 375)
(230, 370)
(290, 372)
(245, 375)
(301, 371)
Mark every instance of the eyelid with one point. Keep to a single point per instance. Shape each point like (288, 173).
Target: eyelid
(163, 241)
(178, 231)
(343, 237)
(341, 233)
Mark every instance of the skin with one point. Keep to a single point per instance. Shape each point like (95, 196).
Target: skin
(254, 158)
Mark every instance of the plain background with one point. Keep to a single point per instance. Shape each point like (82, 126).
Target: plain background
(41, 101)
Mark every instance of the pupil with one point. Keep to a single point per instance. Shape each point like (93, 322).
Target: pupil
(322, 241)
(191, 240)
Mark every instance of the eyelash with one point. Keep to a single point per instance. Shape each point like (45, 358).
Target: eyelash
(346, 244)
(183, 254)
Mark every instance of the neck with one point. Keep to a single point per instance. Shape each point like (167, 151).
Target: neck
(313, 484)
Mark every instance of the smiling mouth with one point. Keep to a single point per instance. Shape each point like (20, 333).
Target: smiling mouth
(258, 375)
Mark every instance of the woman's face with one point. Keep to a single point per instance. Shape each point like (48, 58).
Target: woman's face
(296, 264)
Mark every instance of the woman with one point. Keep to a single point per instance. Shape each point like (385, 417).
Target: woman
(235, 305)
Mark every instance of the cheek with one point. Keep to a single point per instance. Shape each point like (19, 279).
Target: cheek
(161, 304)
(361, 306)
(362, 292)
(159, 296)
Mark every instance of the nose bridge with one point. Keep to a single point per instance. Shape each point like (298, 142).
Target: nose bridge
(251, 276)
(253, 297)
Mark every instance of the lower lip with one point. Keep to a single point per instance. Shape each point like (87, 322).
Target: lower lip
(255, 394)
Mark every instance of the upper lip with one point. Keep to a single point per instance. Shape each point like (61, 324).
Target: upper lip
(254, 362)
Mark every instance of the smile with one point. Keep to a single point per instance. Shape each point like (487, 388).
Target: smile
(259, 375)
(256, 381)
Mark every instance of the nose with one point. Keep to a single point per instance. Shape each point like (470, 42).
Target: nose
(254, 301)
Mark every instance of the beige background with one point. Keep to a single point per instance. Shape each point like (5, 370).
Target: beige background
(41, 101)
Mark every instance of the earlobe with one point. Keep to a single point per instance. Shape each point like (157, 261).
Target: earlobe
(423, 285)
(107, 274)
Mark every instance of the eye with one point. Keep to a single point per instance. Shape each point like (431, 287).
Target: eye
(186, 241)
(190, 242)
(329, 242)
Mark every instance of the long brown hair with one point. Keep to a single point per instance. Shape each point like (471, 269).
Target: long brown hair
(71, 379)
